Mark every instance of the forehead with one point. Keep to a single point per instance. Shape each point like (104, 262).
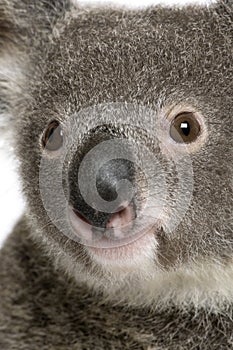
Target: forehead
(129, 53)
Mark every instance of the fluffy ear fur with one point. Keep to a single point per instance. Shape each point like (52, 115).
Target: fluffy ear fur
(24, 30)
(37, 14)
(6, 30)
(23, 22)
(8, 43)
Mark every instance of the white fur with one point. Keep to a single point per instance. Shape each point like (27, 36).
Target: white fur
(140, 3)
(208, 285)
(12, 79)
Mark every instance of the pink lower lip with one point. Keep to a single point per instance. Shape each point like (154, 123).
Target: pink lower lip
(121, 243)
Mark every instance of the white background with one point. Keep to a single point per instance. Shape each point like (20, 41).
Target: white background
(11, 202)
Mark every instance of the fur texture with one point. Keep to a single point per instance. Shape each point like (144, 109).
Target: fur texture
(56, 60)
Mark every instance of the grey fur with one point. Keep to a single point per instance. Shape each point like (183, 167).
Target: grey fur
(53, 295)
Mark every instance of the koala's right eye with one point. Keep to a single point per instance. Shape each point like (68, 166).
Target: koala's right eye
(52, 139)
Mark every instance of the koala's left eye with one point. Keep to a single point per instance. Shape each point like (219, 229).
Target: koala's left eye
(52, 138)
(185, 128)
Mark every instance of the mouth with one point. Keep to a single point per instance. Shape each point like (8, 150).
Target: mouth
(120, 240)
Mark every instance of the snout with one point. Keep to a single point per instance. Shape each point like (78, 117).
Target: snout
(114, 183)
(107, 194)
(107, 199)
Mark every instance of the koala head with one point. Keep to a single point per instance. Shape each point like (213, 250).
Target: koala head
(122, 123)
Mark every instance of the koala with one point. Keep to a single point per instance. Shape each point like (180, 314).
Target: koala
(121, 122)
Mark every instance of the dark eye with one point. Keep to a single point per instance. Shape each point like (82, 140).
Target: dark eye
(185, 128)
(53, 137)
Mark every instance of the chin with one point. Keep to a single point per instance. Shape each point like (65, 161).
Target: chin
(134, 256)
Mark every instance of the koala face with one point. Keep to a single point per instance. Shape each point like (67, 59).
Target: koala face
(122, 124)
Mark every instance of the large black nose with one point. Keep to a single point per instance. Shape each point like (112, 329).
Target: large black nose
(114, 182)
(115, 178)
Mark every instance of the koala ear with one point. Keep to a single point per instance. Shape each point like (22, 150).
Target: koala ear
(24, 25)
(26, 18)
